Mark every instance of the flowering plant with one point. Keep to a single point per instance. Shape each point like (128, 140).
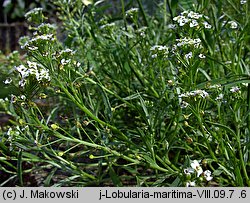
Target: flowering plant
(132, 99)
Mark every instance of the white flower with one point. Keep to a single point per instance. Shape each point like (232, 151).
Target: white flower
(34, 69)
(190, 184)
(23, 97)
(184, 104)
(207, 174)
(32, 48)
(13, 98)
(22, 83)
(216, 86)
(67, 52)
(9, 131)
(154, 56)
(194, 18)
(131, 11)
(193, 23)
(172, 26)
(22, 70)
(207, 25)
(194, 15)
(228, 62)
(195, 93)
(233, 24)
(189, 42)
(46, 26)
(24, 128)
(181, 20)
(159, 50)
(234, 89)
(202, 56)
(108, 25)
(219, 97)
(188, 171)
(43, 75)
(48, 37)
(201, 93)
(197, 43)
(78, 64)
(32, 65)
(65, 62)
(243, 1)
(196, 166)
(34, 11)
(189, 55)
(7, 81)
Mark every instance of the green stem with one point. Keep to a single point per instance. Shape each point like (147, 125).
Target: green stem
(74, 98)
(143, 12)
(248, 108)
(107, 149)
(242, 163)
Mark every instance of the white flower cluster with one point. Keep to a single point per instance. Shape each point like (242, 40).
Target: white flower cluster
(65, 61)
(64, 55)
(159, 50)
(202, 56)
(34, 43)
(197, 169)
(233, 24)
(195, 93)
(184, 104)
(14, 98)
(7, 81)
(189, 55)
(172, 26)
(186, 41)
(141, 31)
(219, 97)
(193, 19)
(34, 11)
(187, 45)
(48, 37)
(46, 28)
(34, 69)
(216, 86)
(4, 101)
(243, 1)
(67, 52)
(107, 26)
(131, 12)
(46, 25)
(235, 89)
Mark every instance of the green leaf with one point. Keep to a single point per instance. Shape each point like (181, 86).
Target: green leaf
(222, 168)
(238, 175)
(176, 182)
(133, 96)
(204, 73)
(19, 168)
(33, 157)
(114, 177)
(150, 161)
(223, 127)
(186, 4)
(174, 4)
(49, 177)
(143, 105)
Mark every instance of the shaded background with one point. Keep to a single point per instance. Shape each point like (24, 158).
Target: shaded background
(12, 21)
